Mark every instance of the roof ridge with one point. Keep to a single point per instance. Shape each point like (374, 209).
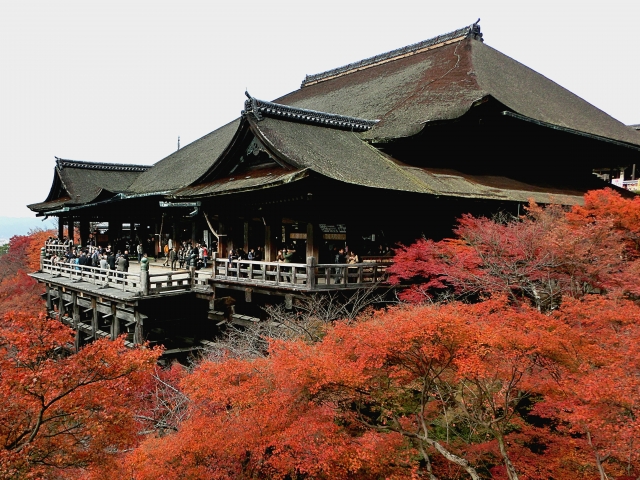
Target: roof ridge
(120, 167)
(332, 120)
(470, 31)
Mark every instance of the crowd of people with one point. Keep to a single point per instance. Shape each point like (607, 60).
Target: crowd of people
(89, 256)
(180, 255)
(185, 255)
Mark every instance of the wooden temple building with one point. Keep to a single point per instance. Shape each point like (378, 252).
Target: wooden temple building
(380, 151)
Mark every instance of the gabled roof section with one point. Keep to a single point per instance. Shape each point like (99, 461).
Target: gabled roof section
(77, 182)
(336, 154)
(187, 165)
(472, 31)
(440, 80)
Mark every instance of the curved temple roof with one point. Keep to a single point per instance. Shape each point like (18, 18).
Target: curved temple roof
(77, 183)
(327, 124)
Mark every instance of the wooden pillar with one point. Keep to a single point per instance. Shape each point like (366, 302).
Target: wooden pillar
(156, 240)
(115, 322)
(61, 309)
(70, 228)
(270, 244)
(222, 239)
(84, 232)
(193, 231)
(60, 228)
(132, 231)
(115, 231)
(49, 302)
(314, 240)
(138, 333)
(245, 236)
(77, 342)
(75, 315)
(94, 317)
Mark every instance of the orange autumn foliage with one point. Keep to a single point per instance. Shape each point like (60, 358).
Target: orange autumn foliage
(544, 256)
(17, 289)
(60, 412)
(413, 391)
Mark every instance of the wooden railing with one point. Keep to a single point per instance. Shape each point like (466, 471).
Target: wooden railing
(309, 276)
(201, 279)
(298, 276)
(56, 249)
(169, 281)
(125, 281)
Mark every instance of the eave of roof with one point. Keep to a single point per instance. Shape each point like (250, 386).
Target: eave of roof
(111, 167)
(260, 108)
(570, 130)
(244, 183)
(43, 207)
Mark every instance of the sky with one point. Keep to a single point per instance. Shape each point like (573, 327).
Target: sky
(120, 81)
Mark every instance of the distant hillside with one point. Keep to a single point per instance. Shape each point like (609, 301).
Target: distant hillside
(10, 226)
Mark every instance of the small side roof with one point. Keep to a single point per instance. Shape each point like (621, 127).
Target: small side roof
(78, 182)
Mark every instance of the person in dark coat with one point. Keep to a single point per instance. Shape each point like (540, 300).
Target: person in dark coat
(111, 260)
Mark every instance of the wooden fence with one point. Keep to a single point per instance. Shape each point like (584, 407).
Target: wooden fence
(125, 281)
(304, 276)
(299, 276)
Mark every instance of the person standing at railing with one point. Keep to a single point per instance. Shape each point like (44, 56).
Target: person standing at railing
(166, 255)
(340, 258)
(140, 251)
(173, 257)
(104, 265)
(111, 259)
(205, 255)
(181, 257)
(126, 260)
(121, 266)
(84, 260)
(352, 259)
(288, 256)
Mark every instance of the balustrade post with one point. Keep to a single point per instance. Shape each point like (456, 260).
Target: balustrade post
(144, 276)
(43, 254)
(213, 264)
(311, 272)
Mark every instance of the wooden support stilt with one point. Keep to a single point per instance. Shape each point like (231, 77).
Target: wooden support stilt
(76, 309)
(48, 298)
(94, 317)
(61, 308)
(115, 322)
(138, 333)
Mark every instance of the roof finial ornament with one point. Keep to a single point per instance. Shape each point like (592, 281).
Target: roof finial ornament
(474, 31)
(251, 106)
